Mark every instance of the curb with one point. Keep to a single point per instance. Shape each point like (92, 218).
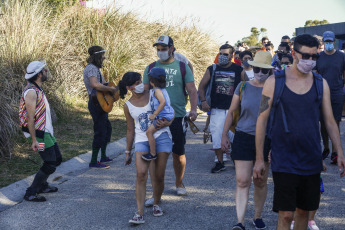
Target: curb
(14, 193)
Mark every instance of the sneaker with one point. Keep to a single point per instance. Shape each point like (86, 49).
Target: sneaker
(157, 211)
(334, 158)
(215, 159)
(106, 160)
(225, 157)
(137, 219)
(149, 157)
(99, 165)
(259, 223)
(219, 167)
(149, 202)
(181, 191)
(34, 198)
(292, 224)
(48, 189)
(312, 225)
(238, 226)
(325, 154)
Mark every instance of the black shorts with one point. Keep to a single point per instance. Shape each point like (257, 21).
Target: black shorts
(293, 191)
(243, 147)
(337, 102)
(178, 136)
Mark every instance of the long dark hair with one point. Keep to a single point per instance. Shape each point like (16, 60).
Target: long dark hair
(95, 58)
(128, 79)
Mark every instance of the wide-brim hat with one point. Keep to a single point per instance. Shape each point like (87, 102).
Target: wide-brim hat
(34, 68)
(262, 59)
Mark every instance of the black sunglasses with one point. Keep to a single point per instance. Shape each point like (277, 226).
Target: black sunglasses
(308, 56)
(225, 54)
(258, 69)
(285, 63)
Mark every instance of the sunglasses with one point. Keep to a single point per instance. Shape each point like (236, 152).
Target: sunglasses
(258, 69)
(225, 54)
(308, 56)
(285, 63)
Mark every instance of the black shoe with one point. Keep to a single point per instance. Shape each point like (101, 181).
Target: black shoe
(325, 154)
(334, 158)
(34, 198)
(48, 189)
(219, 167)
(238, 226)
(149, 157)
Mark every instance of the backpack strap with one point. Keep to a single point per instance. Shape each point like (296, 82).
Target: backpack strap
(319, 86)
(183, 73)
(151, 66)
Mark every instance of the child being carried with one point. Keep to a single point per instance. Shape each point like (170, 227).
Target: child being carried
(161, 108)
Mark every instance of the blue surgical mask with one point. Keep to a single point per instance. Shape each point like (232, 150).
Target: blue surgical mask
(329, 46)
(245, 64)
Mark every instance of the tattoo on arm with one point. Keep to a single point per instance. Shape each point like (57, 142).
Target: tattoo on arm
(264, 103)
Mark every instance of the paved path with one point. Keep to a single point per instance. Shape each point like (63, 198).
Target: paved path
(105, 199)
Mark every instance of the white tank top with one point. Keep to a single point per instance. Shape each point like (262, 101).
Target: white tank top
(142, 122)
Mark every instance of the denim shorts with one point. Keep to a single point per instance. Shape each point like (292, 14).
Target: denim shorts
(163, 144)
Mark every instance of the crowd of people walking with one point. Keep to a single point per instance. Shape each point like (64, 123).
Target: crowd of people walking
(268, 109)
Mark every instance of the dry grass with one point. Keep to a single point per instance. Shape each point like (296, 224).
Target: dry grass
(30, 30)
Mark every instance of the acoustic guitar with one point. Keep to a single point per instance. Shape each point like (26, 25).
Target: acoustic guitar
(106, 99)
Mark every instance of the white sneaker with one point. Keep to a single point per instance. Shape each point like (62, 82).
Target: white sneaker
(137, 219)
(225, 158)
(181, 191)
(215, 159)
(157, 211)
(149, 202)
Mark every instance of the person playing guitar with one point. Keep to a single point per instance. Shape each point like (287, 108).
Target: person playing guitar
(95, 84)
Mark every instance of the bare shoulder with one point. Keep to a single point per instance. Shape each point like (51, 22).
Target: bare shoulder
(269, 85)
(30, 95)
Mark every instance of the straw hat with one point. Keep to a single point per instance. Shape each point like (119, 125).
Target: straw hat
(262, 59)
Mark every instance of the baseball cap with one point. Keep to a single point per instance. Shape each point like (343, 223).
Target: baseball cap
(164, 40)
(34, 68)
(156, 72)
(328, 36)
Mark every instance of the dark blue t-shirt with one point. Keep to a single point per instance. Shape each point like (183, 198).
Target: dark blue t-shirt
(297, 152)
(331, 68)
(225, 81)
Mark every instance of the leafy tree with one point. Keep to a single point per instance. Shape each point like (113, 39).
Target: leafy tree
(315, 22)
(253, 38)
(58, 5)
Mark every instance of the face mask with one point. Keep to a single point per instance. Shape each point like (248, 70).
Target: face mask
(163, 55)
(139, 88)
(329, 46)
(246, 64)
(261, 77)
(306, 66)
(223, 60)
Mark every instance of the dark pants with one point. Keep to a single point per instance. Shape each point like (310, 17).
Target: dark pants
(101, 125)
(51, 159)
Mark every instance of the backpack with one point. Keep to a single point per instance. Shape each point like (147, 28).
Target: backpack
(208, 89)
(278, 91)
(183, 73)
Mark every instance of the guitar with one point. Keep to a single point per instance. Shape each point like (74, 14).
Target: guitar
(106, 99)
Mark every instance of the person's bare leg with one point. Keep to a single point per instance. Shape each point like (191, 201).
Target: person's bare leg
(160, 165)
(260, 193)
(301, 219)
(140, 190)
(152, 142)
(179, 164)
(219, 153)
(284, 220)
(311, 215)
(243, 182)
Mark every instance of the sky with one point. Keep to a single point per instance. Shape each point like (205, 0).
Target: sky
(230, 20)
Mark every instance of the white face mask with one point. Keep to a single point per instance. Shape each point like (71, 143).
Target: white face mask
(163, 55)
(139, 88)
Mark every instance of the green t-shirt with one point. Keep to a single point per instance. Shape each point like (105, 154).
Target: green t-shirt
(174, 84)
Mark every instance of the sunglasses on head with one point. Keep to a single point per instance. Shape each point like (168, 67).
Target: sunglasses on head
(308, 56)
(258, 69)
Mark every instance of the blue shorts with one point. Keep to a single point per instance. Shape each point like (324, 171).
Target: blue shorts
(163, 144)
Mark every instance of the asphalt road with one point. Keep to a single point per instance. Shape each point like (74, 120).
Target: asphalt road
(105, 199)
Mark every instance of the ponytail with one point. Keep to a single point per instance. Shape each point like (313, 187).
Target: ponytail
(128, 79)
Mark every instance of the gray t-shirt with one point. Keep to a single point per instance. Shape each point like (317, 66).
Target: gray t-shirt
(331, 68)
(92, 71)
(250, 103)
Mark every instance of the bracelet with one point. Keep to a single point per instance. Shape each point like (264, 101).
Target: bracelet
(127, 151)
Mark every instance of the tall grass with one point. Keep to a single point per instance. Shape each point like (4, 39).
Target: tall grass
(29, 30)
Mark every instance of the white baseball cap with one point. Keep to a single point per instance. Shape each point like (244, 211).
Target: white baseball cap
(34, 68)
